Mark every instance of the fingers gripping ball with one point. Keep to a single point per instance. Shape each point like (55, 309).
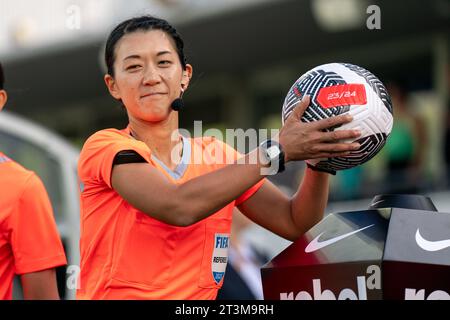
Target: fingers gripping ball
(339, 88)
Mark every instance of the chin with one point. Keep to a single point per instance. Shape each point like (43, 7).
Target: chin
(153, 112)
(155, 116)
(150, 112)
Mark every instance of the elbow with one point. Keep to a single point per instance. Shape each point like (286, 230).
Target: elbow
(303, 225)
(311, 223)
(180, 209)
(315, 221)
(184, 222)
(293, 238)
(182, 218)
(298, 233)
(179, 214)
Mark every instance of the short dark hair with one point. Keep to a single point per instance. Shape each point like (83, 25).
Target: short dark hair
(143, 23)
(2, 77)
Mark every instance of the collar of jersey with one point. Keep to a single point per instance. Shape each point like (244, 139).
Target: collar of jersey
(180, 169)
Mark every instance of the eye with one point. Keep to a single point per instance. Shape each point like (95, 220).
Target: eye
(164, 62)
(132, 67)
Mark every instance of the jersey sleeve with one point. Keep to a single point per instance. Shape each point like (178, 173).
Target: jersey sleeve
(231, 153)
(97, 157)
(247, 194)
(35, 240)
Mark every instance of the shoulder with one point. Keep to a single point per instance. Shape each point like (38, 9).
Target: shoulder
(103, 139)
(34, 189)
(13, 172)
(17, 178)
(98, 153)
(107, 136)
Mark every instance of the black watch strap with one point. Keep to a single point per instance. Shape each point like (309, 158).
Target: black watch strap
(321, 169)
(280, 158)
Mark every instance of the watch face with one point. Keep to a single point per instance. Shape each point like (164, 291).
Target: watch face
(273, 152)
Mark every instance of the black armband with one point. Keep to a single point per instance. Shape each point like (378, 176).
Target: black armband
(128, 156)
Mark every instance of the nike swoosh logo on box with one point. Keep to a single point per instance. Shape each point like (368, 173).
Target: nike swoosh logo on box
(315, 244)
(431, 245)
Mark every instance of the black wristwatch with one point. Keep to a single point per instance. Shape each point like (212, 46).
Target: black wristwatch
(273, 154)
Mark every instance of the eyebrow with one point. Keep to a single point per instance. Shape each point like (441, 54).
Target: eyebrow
(163, 52)
(136, 56)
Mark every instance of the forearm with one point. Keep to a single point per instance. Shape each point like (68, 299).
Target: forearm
(200, 197)
(40, 285)
(309, 203)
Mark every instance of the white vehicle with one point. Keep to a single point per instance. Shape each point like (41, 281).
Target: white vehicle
(55, 162)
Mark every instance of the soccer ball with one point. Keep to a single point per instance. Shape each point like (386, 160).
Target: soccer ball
(338, 88)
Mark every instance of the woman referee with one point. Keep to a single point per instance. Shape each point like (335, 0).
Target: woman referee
(155, 221)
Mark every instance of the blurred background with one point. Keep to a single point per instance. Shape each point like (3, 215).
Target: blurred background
(246, 54)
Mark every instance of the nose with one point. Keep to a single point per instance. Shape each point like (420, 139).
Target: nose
(151, 76)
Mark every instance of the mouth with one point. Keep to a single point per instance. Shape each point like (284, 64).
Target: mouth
(153, 94)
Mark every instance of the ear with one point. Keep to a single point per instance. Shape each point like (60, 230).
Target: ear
(3, 98)
(112, 87)
(186, 78)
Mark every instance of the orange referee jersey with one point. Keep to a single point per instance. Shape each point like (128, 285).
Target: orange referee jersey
(126, 254)
(29, 240)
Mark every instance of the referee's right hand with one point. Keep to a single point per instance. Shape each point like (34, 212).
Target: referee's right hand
(303, 141)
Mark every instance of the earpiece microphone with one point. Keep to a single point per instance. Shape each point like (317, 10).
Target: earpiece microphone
(178, 103)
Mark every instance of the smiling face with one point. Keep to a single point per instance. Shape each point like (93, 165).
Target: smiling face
(148, 75)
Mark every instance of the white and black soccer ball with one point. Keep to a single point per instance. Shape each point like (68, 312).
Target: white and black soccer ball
(339, 88)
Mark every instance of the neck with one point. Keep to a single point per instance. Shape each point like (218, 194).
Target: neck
(162, 138)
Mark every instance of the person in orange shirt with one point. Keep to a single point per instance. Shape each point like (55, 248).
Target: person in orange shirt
(30, 245)
(156, 217)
